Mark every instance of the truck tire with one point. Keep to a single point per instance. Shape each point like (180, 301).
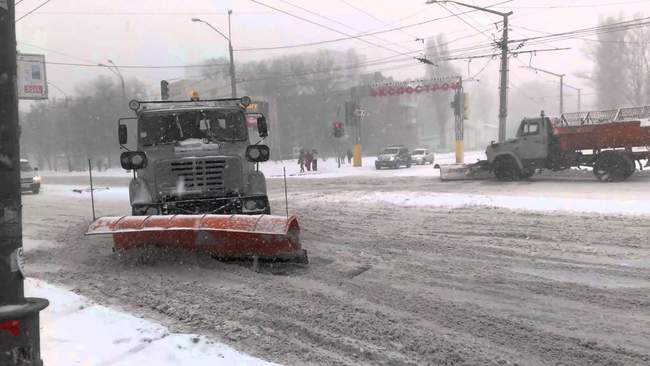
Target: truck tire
(612, 166)
(506, 169)
(631, 165)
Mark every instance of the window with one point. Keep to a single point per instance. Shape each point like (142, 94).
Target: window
(531, 128)
(209, 125)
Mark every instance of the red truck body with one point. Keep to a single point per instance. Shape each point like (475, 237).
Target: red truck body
(611, 135)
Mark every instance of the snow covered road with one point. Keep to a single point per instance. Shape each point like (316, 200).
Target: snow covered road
(404, 270)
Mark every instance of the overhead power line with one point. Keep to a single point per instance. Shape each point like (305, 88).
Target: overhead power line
(334, 21)
(33, 10)
(327, 27)
(367, 34)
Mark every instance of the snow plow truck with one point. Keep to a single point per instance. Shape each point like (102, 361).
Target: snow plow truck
(196, 182)
(612, 143)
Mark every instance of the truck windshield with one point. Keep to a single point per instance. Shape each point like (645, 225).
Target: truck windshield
(178, 126)
(390, 151)
(418, 152)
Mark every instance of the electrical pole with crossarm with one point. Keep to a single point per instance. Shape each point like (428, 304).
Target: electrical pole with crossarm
(19, 319)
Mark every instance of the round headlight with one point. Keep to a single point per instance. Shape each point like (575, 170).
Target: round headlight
(134, 105)
(254, 153)
(245, 101)
(137, 160)
(250, 205)
(261, 204)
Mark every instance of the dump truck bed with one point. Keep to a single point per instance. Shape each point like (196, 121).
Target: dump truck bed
(610, 135)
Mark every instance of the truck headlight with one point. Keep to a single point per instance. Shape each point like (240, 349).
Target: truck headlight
(250, 205)
(391, 158)
(37, 179)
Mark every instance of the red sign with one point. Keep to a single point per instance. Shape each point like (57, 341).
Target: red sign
(251, 121)
(382, 91)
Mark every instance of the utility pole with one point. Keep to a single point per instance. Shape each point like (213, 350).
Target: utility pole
(503, 72)
(233, 82)
(19, 319)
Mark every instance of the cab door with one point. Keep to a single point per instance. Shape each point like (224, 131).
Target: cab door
(532, 143)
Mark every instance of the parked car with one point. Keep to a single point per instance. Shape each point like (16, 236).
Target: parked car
(393, 157)
(421, 156)
(29, 178)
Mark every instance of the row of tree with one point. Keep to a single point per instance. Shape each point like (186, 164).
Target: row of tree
(621, 75)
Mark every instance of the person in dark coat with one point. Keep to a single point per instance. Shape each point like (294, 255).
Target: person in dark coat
(301, 160)
(349, 154)
(308, 159)
(314, 162)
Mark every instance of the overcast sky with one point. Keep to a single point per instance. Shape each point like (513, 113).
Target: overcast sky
(159, 32)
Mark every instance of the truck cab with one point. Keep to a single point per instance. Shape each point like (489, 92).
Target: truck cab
(530, 150)
(195, 157)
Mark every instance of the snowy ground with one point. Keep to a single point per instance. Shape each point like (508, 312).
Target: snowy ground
(77, 331)
(404, 270)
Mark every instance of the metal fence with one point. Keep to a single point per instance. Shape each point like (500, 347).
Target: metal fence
(605, 116)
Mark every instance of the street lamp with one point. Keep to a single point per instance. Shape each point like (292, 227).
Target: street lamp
(233, 85)
(115, 70)
(561, 76)
(503, 78)
(579, 90)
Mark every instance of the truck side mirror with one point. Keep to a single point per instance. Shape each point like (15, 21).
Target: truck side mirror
(257, 153)
(122, 134)
(262, 127)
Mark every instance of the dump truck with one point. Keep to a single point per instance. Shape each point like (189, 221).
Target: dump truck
(612, 148)
(196, 182)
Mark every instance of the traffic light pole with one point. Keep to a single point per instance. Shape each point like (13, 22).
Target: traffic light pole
(458, 122)
(19, 323)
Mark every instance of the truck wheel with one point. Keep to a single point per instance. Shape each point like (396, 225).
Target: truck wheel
(631, 166)
(527, 173)
(35, 190)
(611, 166)
(506, 169)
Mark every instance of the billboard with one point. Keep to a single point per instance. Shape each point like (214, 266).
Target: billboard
(32, 81)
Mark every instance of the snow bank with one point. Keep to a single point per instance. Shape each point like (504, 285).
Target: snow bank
(330, 169)
(326, 169)
(528, 203)
(75, 331)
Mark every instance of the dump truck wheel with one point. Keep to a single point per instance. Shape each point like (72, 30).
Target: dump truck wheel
(506, 169)
(631, 165)
(527, 173)
(611, 166)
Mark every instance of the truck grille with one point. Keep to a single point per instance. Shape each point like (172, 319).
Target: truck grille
(26, 180)
(204, 175)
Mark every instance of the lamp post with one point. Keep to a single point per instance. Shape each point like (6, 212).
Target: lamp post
(115, 70)
(579, 90)
(561, 76)
(233, 84)
(503, 76)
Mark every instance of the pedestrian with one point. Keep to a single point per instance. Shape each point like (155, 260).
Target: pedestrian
(314, 162)
(301, 160)
(308, 159)
(349, 154)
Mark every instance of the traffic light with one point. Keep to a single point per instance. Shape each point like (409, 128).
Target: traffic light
(164, 90)
(338, 129)
(456, 105)
(465, 106)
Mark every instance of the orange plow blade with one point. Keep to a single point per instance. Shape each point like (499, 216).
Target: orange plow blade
(226, 236)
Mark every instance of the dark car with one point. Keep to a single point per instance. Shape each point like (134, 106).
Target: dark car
(394, 157)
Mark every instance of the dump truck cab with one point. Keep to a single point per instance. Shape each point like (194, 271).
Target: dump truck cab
(195, 157)
(527, 152)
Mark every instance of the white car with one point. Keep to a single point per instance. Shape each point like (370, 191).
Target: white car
(422, 156)
(29, 178)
